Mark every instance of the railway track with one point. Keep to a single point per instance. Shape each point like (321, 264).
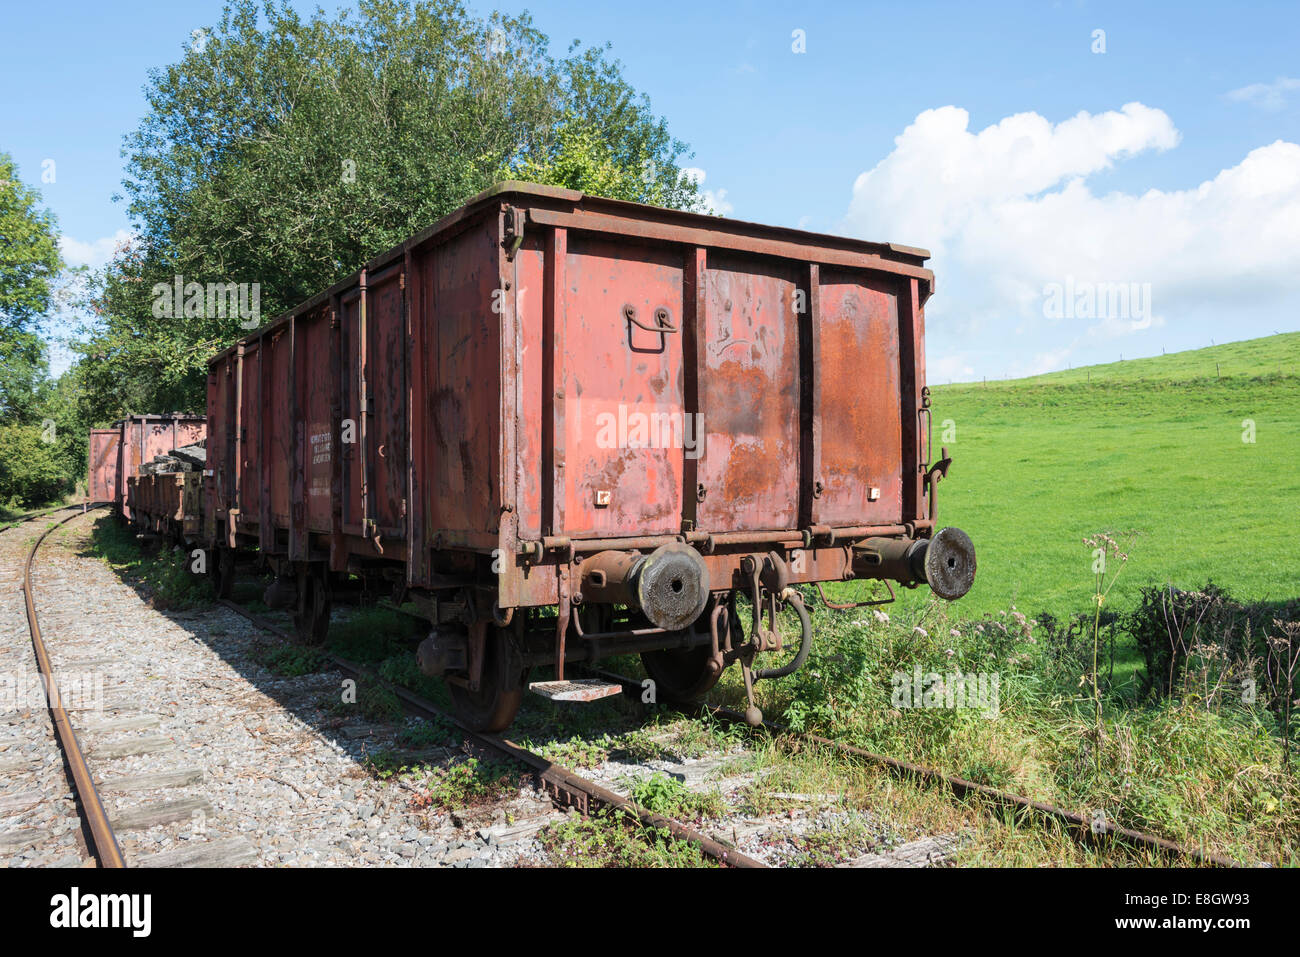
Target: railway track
(100, 838)
(96, 730)
(569, 789)
(1083, 830)
(566, 788)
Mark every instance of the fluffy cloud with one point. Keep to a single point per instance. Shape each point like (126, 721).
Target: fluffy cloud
(95, 253)
(1011, 220)
(714, 200)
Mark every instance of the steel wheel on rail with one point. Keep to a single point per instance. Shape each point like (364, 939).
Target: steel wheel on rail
(501, 689)
(683, 676)
(311, 618)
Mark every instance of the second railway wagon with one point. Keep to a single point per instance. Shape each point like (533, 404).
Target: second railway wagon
(567, 427)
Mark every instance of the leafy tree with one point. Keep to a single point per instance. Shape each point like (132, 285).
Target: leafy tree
(29, 266)
(286, 151)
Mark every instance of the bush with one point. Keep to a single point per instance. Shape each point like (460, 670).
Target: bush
(1202, 643)
(32, 471)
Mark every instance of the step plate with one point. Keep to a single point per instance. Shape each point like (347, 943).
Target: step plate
(579, 689)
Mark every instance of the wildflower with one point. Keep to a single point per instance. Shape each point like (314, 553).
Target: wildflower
(881, 616)
(921, 631)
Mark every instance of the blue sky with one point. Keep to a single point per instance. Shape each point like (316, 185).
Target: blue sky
(961, 113)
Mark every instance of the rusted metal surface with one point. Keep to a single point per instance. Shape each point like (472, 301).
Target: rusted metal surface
(106, 849)
(544, 364)
(543, 376)
(145, 436)
(101, 466)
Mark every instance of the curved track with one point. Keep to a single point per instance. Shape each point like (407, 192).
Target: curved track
(91, 807)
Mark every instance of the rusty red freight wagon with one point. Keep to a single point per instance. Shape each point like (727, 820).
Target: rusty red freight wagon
(568, 427)
(145, 436)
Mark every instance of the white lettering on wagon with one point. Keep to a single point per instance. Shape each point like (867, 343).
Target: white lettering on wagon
(322, 447)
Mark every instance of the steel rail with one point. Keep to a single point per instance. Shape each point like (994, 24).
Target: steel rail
(565, 787)
(106, 849)
(41, 514)
(1081, 829)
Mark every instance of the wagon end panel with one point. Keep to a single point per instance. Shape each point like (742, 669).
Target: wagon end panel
(101, 479)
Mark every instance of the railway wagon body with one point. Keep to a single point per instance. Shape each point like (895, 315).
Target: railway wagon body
(101, 464)
(167, 503)
(567, 427)
(145, 436)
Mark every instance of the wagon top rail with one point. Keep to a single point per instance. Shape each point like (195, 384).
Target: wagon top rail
(578, 211)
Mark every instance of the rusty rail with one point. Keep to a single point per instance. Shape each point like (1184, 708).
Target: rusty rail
(41, 514)
(566, 788)
(1080, 829)
(105, 848)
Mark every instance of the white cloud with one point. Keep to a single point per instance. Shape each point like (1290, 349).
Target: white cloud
(715, 200)
(1266, 96)
(1007, 210)
(95, 253)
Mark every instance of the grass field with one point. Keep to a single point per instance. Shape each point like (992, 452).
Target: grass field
(1149, 451)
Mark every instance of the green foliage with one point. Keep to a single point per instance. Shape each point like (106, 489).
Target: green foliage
(671, 798)
(32, 471)
(287, 150)
(163, 577)
(291, 661)
(428, 733)
(611, 838)
(42, 432)
(29, 255)
(1204, 766)
(582, 157)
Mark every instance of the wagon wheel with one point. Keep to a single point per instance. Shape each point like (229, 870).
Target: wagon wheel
(311, 617)
(681, 675)
(222, 572)
(501, 689)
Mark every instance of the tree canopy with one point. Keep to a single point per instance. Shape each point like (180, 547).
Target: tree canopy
(29, 267)
(286, 151)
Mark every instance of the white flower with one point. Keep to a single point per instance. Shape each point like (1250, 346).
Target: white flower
(921, 631)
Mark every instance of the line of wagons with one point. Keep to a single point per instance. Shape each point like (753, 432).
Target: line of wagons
(561, 428)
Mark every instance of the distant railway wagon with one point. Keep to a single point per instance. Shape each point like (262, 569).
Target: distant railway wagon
(102, 460)
(119, 454)
(565, 427)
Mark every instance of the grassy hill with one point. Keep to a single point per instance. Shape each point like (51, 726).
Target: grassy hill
(1149, 451)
